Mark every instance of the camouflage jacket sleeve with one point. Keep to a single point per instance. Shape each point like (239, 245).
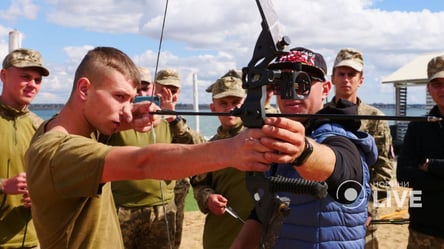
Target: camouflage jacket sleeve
(202, 189)
(381, 172)
(183, 134)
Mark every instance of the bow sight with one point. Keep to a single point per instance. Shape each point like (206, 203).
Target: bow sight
(291, 83)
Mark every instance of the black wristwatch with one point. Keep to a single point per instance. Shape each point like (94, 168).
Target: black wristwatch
(304, 155)
(177, 120)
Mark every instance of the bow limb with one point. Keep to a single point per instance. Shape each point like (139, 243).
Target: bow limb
(270, 208)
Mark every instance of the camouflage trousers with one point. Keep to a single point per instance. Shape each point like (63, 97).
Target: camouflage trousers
(148, 227)
(419, 240)
(180, 193)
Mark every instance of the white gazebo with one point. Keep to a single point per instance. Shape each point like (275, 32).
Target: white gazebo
(414, 73)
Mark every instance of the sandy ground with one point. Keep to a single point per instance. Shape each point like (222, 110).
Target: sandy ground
(391, 236)
(394, 236)
(192, 230)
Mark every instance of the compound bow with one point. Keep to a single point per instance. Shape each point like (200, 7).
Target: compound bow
(272, 209)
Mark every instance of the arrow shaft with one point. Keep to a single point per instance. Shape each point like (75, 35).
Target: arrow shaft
(309, 116)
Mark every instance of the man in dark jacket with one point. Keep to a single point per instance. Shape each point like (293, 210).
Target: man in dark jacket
(421, 166)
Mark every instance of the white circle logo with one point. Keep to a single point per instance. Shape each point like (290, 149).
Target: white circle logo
(349, 191)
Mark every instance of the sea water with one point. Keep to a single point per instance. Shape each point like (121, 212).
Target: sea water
(208, 124)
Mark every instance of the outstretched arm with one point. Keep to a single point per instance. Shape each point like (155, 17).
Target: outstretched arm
(175, 161)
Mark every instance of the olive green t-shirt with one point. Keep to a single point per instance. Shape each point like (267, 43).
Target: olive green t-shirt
(147, 192)
(71, 208)
(221, 230)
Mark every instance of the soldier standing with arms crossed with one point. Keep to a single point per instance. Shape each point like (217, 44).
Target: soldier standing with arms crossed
(421, 165)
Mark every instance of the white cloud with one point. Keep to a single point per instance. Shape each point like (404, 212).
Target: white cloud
(111, 16)
(20, 9)
(211, 37)
(76, 53)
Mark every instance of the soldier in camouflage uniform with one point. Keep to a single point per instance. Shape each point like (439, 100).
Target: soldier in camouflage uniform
(168, 87)
(21, 75)
(421, 164)
(146, 208)
(217, 190)
(347, 77)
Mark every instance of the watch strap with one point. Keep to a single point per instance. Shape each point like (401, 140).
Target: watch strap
(304, 155)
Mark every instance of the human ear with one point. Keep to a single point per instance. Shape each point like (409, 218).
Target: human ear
(83, 85)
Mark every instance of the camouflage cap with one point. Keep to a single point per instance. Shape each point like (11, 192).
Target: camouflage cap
(168, 77)
(227, 86)
(145, 74)
(349, 57)
(23, 58)
(233, 73)
(435, 68)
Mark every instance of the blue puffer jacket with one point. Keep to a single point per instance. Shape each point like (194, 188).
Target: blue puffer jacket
(326, 223)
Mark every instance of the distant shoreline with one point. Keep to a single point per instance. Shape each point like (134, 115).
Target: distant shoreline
(59, 106)
(206, 106)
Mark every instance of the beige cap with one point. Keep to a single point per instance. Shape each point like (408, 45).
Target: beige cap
(234, 73)
(349, 57)
(145, 74)
(227, 86)
(168, 77)
(435, 68)
(23, 58)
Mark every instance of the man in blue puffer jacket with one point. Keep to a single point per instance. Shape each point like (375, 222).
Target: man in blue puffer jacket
(332, 151)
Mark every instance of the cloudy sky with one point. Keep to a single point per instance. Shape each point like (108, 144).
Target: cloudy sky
(209, 37)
